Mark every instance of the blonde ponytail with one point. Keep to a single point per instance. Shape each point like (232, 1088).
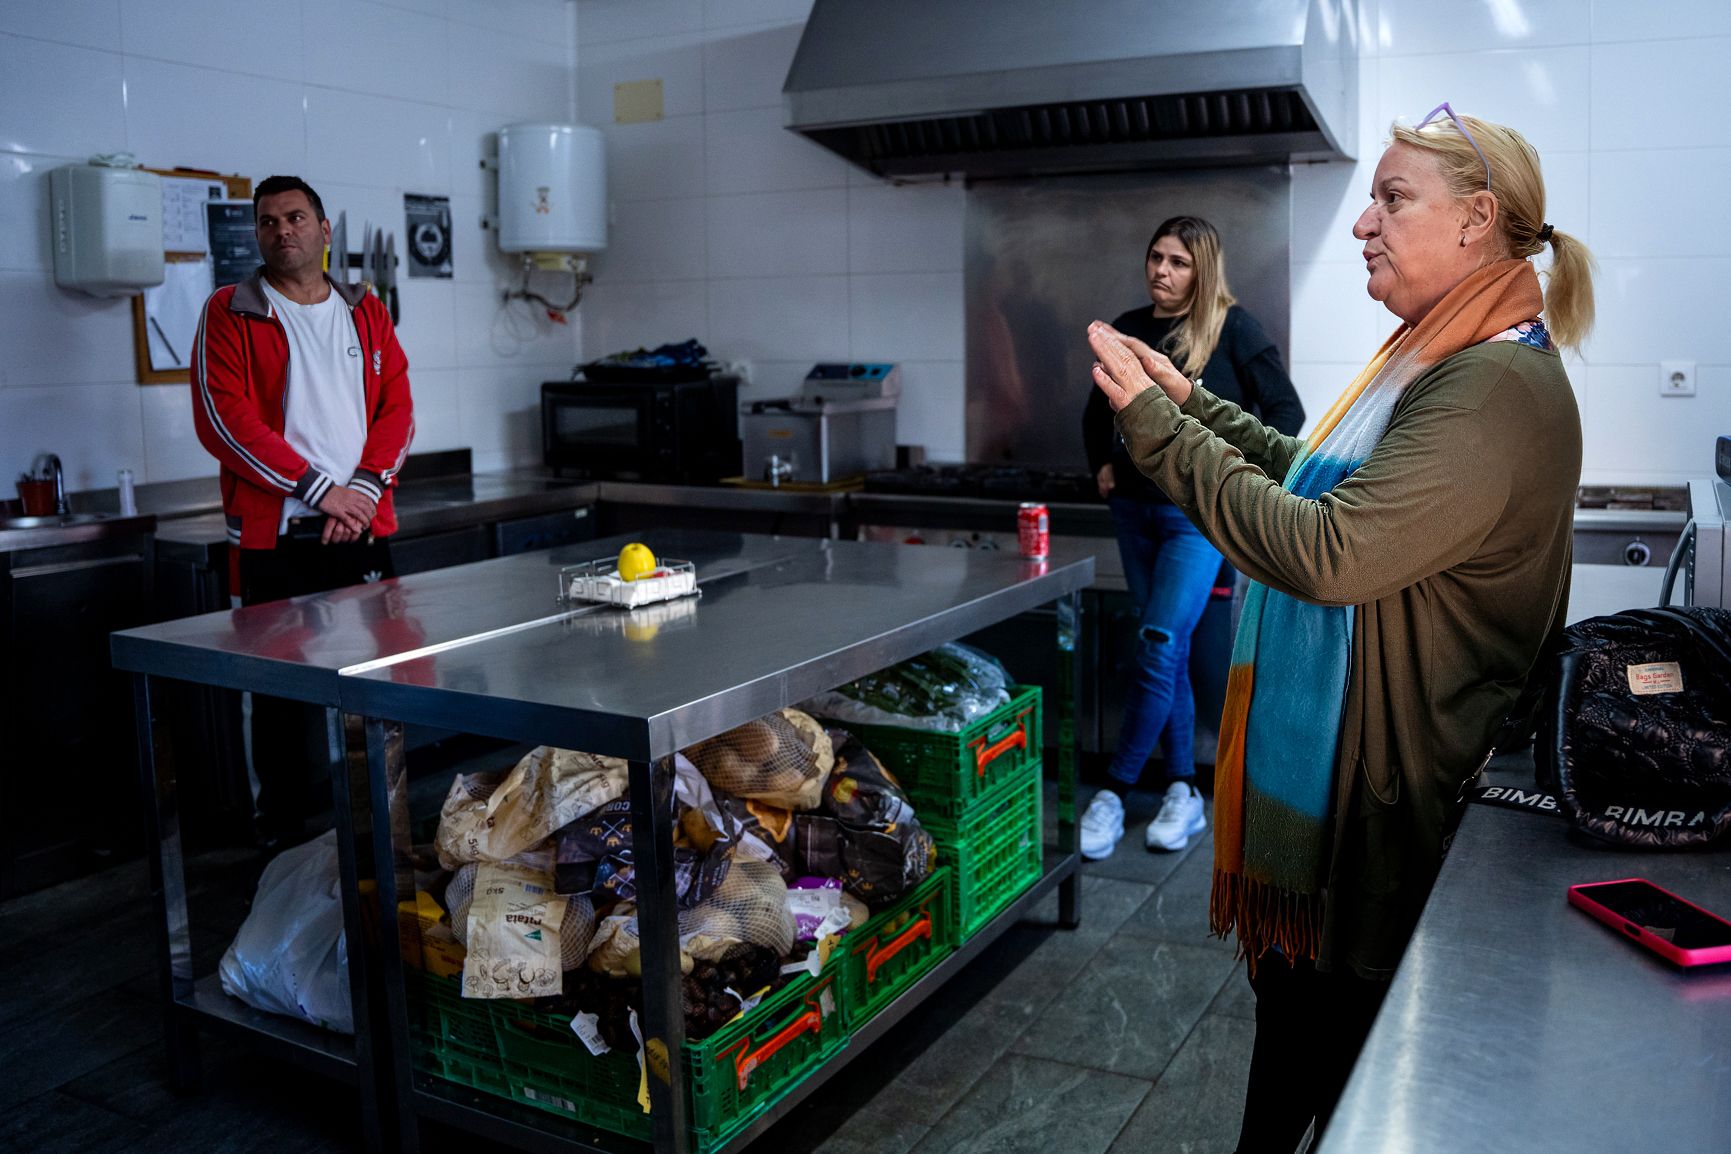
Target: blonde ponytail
(1569, 291)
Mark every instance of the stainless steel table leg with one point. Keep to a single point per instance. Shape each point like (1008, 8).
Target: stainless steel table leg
(352, 805)
(167, 891)
(1069, 679)
(394, 878)
(658, 931)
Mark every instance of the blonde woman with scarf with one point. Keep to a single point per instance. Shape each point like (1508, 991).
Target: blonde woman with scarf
(1409, 558)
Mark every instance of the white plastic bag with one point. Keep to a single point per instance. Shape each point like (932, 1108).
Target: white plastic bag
(290, 956)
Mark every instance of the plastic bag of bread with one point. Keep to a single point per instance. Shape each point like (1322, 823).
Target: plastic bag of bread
(596, 853)
(487, 817)
(782, 758)
(866, 833)
(595, 856)
(763, 832)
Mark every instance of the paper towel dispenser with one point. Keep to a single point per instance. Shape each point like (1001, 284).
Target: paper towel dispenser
(107, 226)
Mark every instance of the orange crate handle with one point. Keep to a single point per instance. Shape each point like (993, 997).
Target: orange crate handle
(810, 1022)
(920, 929)
(1017, 740)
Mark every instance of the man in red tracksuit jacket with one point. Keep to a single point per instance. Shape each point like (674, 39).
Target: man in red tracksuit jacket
(301, 391)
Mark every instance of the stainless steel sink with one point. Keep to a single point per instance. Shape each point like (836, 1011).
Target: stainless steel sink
(53, 522)
(69, 529)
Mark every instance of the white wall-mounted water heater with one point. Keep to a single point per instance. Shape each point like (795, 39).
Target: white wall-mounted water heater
(552, 189)
(107, 229)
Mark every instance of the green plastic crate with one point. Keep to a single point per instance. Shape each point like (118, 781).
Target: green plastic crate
(882, 962)
(994, 854)
(946, 774)
(513, 1050)
(452, 1040)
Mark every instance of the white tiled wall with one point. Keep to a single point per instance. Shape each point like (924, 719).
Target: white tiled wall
(366, 100)
(728, 228)
(1621, 102)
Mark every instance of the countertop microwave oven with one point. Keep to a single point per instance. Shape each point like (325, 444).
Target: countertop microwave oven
(1706, 557)
(672, 432)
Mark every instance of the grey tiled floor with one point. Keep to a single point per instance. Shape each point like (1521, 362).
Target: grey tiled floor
(1129, 1034)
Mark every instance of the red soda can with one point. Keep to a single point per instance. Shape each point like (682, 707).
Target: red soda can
(1033, 530)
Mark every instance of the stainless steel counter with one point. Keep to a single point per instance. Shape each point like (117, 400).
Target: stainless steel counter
(1517, 1023)
(727, 498)
(429, 506)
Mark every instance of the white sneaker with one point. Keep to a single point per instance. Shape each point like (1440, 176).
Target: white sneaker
(1179, 818)
(1102, 825)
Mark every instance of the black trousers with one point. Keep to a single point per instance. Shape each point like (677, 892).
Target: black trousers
(289, 751)
(1310, 1027)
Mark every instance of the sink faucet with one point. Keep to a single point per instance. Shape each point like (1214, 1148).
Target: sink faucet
(50, 463)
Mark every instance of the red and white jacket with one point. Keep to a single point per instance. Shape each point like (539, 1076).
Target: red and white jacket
(239, 383)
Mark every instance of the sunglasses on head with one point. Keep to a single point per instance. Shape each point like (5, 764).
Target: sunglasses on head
(1444, 109)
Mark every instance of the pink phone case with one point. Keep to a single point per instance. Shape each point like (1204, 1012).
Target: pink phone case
(1580, 896)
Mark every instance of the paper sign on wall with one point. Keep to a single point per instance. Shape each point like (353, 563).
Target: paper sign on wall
(183, 201)
(171, 310)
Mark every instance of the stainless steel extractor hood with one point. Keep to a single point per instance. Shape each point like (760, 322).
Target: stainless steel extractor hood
(1028, 87)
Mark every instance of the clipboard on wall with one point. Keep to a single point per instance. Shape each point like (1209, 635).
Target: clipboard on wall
(165, 318)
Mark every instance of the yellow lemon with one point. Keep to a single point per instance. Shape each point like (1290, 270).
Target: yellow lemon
(635, 560)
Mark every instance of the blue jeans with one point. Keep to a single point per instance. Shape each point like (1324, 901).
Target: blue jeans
(1170, 568)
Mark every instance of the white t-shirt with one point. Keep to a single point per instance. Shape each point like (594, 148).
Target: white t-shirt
(325, 408)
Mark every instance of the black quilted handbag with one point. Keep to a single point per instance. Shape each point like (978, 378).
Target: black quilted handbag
(1635, 727)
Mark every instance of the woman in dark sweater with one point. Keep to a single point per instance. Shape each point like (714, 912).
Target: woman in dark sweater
(1169, 566)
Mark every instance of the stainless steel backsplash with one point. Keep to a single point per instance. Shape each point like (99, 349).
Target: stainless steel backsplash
(1044, 257)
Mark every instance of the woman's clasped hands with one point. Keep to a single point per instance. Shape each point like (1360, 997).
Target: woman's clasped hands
(1125, 366)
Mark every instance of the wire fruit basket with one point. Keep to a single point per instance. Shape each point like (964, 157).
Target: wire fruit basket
(598, 581)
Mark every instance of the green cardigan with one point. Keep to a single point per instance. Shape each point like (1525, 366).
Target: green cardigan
(1452, 543)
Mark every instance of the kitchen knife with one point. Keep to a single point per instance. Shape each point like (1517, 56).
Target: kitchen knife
(339, 262)
(390, 276)
(379, 263)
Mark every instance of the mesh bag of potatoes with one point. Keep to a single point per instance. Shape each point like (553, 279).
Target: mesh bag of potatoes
(783, 759)
(576, 929)
(748, 909)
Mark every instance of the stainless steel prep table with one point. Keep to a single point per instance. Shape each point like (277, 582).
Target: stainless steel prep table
(477, 647)
(1517, 1023)
(297, 649)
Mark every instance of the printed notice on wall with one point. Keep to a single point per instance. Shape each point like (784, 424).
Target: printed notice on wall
(429, 233)
(183, 204)
(1659, 677)
(233, 243)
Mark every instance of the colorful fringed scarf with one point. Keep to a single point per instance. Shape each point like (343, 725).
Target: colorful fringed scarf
(1285, 693)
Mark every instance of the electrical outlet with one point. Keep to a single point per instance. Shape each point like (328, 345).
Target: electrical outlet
(1676, 378)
